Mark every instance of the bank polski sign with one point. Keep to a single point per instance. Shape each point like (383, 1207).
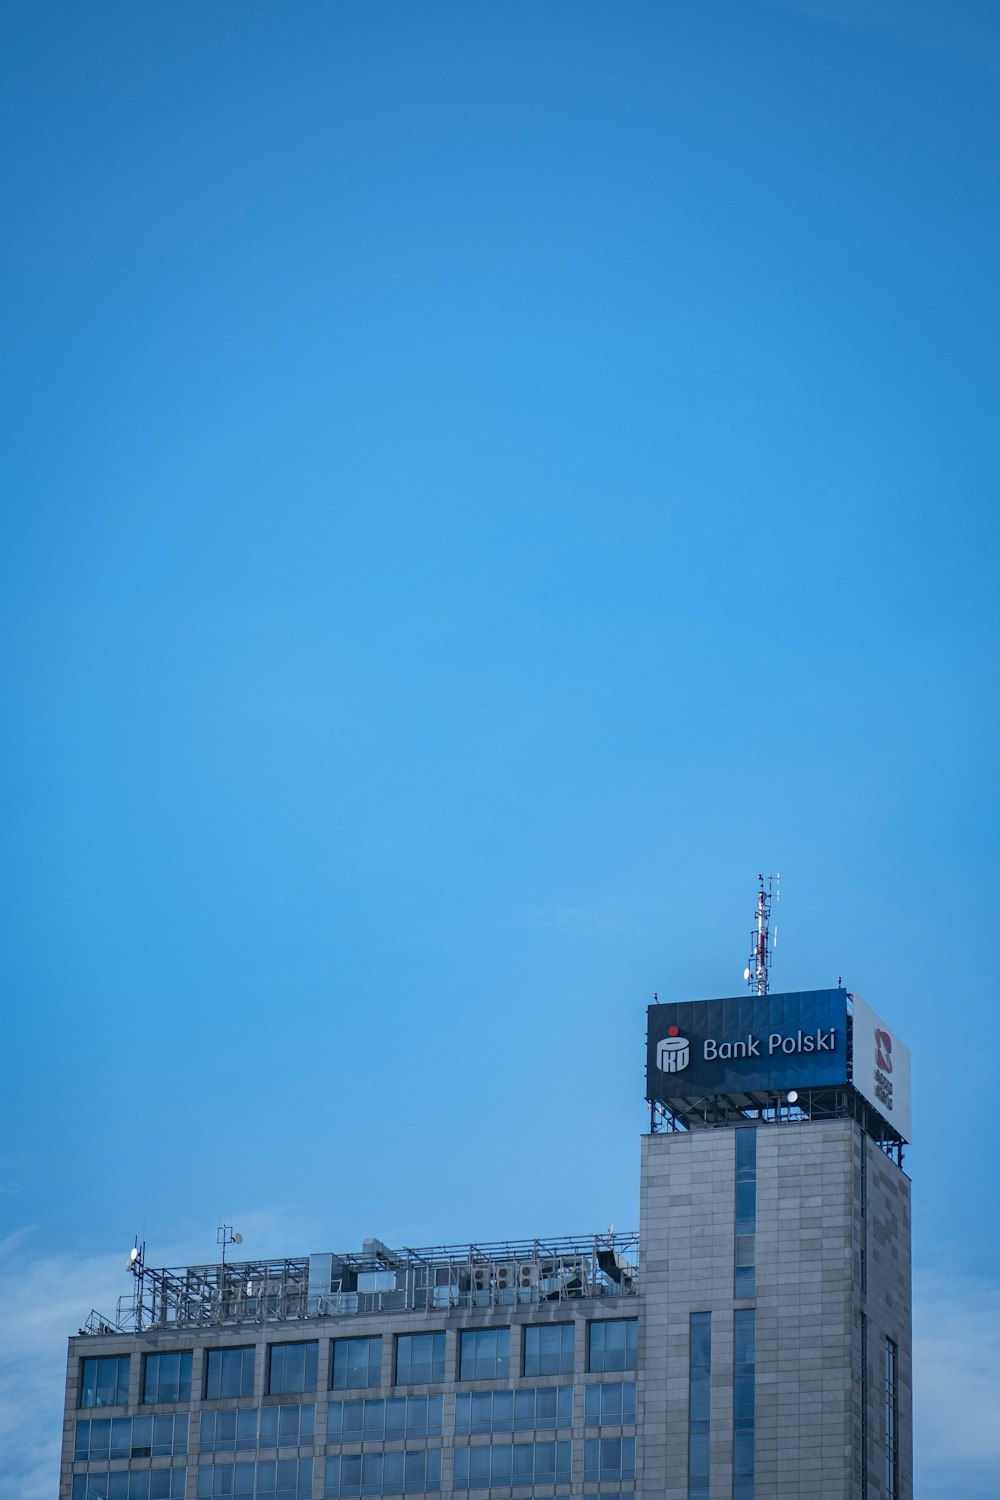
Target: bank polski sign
(748, 1044)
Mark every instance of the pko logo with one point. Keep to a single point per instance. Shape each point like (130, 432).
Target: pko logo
(674, 1053)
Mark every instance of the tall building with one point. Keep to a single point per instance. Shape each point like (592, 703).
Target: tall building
(751, 1342)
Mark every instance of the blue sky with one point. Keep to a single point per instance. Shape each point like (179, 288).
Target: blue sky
(482, 482)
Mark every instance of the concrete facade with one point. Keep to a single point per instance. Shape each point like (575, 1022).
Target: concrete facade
(832, 1249)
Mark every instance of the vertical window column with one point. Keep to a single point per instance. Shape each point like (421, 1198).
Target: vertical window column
(891, 1422)
(744, 1379)
(699, 1405)
(745, 1277)
(864, 1403)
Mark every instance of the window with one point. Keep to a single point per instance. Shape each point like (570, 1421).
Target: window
(699, 1404)
(612, 1345)
(104, 1380)
(270, 1479)
(356, 1363)
(292, 1367)
(229, 1431)
(229, 1372)
(137, 1484)
(502, 1465)
(891, 1422)
(523, 1410)
(610, 1405)
(128, 1437)
(608, 1459)
(745, 1275)
(286, 1426)
(744, 1377)
(484, 1354)
(167, 1377)
(399, 1473)
(548, 1349)
(400, 1416)
(419, 1358)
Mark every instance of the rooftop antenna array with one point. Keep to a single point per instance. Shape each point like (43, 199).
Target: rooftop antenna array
(758, 969)
(224, 1236)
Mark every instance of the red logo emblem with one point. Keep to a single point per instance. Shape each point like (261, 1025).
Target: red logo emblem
(883, 1051)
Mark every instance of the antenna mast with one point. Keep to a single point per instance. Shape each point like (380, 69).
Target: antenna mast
(757, 970)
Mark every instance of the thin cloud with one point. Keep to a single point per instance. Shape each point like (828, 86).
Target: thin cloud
(46, 1298)
(956, 1381)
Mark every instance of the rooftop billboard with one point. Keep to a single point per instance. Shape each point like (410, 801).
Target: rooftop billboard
(755, 1044)
(748, 1044)
(881, 1068)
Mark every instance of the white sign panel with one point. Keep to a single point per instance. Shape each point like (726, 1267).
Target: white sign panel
(881, 1067)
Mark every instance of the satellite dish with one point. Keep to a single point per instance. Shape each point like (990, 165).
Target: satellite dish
(793, 1097)
(237, 1239)
(746, 973)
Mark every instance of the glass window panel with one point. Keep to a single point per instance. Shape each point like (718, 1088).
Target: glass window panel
(292, 1367)
(420, 1358)
(357, 1363)
(548, 1349)
(133, 1439)
(243, 1479)
(746, 1152)
(744, 1332)
(479, 1465)
(612, 1345)
(161, 1435)
(546, 1406)
(501, 1463)
(744, 1282)
(416, 1408)
(484, 1353)
(354, 1415)
(167, 1377)
(350, 1474)
(104, 1380)
(414, 1470)
(371, 1473)
(229, 1372)
(524, 1462)
(746, 1206)
(121, 1437)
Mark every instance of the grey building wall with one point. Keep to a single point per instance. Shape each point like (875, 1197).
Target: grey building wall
(825, 1194)
(580, 1312)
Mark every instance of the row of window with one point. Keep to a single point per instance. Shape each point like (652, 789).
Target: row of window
(356, 1363)
(532, 1408)
(501, 1466)
(132, 1484)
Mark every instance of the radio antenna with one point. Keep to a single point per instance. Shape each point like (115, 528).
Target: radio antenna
(758, 969)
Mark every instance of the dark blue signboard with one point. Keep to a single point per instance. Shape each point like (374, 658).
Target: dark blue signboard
(750, 1044)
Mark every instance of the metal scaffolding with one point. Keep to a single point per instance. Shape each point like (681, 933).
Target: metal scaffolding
(376, 1280)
